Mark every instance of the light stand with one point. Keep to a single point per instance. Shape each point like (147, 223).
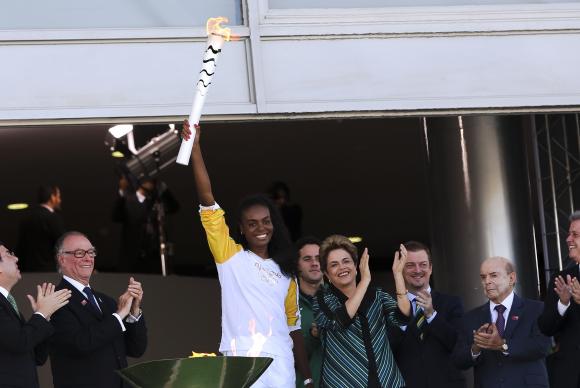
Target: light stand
(147, 162)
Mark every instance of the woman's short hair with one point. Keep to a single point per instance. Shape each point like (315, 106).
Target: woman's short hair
(334, 242)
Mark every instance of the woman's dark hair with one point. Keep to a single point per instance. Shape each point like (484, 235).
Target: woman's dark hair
(280, 247)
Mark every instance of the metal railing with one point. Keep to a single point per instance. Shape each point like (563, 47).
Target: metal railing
(557, 163)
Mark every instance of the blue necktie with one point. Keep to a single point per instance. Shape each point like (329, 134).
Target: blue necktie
(91, 298)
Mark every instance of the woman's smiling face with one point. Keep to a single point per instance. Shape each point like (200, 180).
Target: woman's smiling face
(340, 268)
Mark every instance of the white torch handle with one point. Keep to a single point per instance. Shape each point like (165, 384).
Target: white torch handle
(214, 45)
(187, 145)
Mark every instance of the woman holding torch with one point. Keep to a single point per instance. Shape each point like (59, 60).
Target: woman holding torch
(352, 319)
(260, 314)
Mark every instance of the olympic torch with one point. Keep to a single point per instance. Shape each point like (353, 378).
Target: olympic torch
(217, 35)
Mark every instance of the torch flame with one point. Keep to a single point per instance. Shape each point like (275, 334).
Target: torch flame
(258, 339)
(214, 27)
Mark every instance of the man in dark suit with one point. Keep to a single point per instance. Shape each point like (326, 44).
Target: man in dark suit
(561, 315)
(423, 348)
(39, 230)
(23, 344)
(138, 211)
(501, 339)
(93, 334)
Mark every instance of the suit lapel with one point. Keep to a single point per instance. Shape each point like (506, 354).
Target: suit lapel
(78, 299)
(484, 314)
(104, 307)
(514, 317)
(9, 306)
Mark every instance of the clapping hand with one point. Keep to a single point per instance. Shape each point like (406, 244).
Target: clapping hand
(400, 260)
(487, 337)
(365, 272)
(135, 290)
(425, 301)
(47, 300)
(563, 290)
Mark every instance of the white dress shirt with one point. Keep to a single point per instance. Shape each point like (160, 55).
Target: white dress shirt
(79, 286)
(412, 298)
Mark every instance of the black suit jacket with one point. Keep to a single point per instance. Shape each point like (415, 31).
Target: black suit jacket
(427, 363)
(140, 234)
(22, 346)
(87, 346)
(38, 234)
(563, 364)
(524, 366)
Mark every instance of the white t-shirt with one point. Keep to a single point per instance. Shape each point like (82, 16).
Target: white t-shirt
(259, 304)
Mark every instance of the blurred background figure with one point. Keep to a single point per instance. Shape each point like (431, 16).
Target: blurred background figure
(142, 214)
(39, 230)
(310, 279)
(291, 213)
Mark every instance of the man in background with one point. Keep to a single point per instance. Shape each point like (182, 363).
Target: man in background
(39, 231)
(310, 279)
(142, 213)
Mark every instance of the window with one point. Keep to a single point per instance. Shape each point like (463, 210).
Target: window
(75, 14)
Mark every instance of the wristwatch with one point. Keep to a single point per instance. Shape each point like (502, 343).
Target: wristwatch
(308, 381)
(504, 346)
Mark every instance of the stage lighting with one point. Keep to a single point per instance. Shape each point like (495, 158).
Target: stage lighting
(120, 141)
(157, 154)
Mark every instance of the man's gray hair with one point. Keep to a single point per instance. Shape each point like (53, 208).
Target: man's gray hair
(60, 243)
(574, 216)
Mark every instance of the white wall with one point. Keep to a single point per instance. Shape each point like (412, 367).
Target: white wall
(293, 4)
(381, 60)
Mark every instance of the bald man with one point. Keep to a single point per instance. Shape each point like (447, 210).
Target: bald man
(501, 339)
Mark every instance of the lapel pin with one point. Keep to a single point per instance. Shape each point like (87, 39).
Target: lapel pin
(83, 302)
(515, 318)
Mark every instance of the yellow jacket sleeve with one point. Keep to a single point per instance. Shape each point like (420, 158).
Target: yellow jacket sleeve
(291, 306)
(221, 245)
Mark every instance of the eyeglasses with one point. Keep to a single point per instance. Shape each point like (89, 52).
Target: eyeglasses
(80, 253)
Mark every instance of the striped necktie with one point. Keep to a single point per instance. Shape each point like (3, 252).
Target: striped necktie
(13, 303)
(92, 300)
(420, 320)
(500, 321)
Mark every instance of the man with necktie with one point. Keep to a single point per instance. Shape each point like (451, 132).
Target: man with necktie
(23, 343)
(501, 339)
(426, 343)
(561, 315)
(93, 334)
